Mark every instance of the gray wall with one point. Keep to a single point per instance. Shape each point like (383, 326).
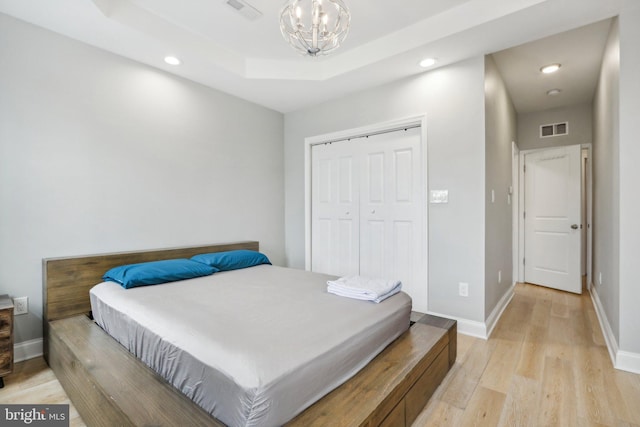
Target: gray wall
(453, 100)
(500, 131)
(616, 179)
(99, 154)
(629, 226)
(606, 199)
(580, 127)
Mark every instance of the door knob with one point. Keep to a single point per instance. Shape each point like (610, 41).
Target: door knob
(574, 226)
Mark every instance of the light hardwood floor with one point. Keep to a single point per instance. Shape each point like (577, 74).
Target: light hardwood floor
(33, 382)
(545, 364)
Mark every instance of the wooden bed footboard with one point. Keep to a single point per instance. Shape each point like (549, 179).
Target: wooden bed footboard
(394, 387)
(109, 386)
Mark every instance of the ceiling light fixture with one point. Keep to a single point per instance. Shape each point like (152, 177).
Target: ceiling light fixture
(315, 27)
(428, 62)
(172, 60)
(551, 68)
(554, 92)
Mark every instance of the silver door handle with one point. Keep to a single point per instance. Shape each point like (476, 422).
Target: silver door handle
(574, 226)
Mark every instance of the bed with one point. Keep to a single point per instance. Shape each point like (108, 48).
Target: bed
(100, 375)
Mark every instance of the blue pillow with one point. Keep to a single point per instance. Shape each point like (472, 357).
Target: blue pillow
(232, 260)
(156, 272)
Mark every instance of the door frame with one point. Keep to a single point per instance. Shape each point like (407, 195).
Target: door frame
(514, 192)
(589, 207)
(519, 251)
(382, 127)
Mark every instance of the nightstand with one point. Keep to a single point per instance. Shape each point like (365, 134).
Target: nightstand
(6, 337)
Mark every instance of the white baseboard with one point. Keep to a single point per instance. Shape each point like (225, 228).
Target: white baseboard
(466, 326)
(628, 361)
(27, 350)
(479, 329)
(623, 360)
(609, 337)
(495, 315)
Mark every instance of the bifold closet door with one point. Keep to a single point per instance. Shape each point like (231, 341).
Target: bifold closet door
(391, 215)
(335, 210)
(367, 210)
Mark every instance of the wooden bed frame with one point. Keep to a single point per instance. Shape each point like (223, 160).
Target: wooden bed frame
(109, 386)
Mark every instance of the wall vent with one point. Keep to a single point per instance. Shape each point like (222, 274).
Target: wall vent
(554, 129)
(244, 9)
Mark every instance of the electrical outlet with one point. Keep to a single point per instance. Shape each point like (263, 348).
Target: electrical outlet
(463, 289)
(499, 276)
(20, 305)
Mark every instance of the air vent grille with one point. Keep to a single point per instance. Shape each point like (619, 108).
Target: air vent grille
(244, 9)
(554, 129)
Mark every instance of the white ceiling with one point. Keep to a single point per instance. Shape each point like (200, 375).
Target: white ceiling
(578, 51)
(249, 59)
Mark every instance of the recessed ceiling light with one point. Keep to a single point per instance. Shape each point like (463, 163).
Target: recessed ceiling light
(172, 60)
(428, 62)
(554, 92)
(551, 68)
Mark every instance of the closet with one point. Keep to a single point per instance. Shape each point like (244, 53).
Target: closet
(368, 210)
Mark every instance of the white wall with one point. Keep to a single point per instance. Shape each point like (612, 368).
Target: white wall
(500, 131)
(629, 226)
(580, 127)
(99, 154)
(606, 199)
(453, 100)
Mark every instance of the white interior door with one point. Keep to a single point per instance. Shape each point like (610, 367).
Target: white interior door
(367, 210)
(335, 245)
(552, 218)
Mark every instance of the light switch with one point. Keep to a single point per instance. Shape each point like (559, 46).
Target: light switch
(439, 196)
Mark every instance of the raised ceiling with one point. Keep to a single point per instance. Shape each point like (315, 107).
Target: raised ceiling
(249, 59)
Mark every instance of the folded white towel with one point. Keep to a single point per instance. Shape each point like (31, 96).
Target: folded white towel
(364, 288)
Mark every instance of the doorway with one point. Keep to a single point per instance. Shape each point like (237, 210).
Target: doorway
(555, 211)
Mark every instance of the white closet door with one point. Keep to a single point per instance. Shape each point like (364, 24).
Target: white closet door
(335, 210)
(391, 216)
(367, 210)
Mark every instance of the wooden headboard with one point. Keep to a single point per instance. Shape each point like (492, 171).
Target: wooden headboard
(67, 281)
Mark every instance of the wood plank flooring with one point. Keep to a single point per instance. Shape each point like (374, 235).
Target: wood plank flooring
(33, 382)
(545, 364)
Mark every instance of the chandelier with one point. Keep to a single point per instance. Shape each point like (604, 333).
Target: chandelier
(315, 27)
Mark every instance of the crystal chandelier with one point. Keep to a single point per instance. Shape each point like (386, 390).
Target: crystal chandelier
(315, 27)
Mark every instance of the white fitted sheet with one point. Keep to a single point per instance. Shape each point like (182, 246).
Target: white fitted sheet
(253, 347)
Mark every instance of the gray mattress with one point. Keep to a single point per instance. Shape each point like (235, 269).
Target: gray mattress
(253, 347)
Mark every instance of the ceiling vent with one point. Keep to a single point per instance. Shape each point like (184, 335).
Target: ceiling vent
(244, 9)
(555, 129)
